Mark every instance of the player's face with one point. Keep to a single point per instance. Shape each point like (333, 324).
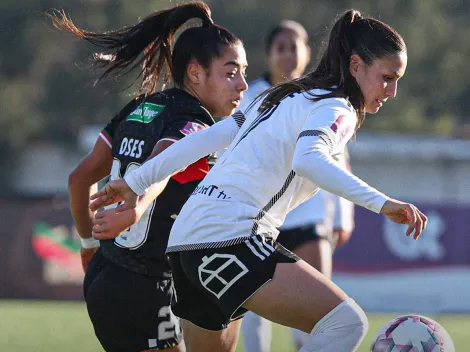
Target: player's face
(378, 81)
(288, 56)
(224, 82)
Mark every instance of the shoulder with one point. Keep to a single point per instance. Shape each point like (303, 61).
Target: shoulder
(331, 103)
(180, 105)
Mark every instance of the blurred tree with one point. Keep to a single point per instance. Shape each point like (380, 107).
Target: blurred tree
(48, 90)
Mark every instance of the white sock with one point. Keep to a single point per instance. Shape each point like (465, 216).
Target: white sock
(257, 333)
(342, 329)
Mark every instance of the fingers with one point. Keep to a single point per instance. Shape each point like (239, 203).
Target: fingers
(423, 217)
(417, 223)
(101, 193)
(412, 216)
(422, 220)
(102, 236)
(98, 203)
(102, 198)
(123, 207)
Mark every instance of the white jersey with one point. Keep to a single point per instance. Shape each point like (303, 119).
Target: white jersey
(277, 160)
(323, 208)
(333, 212)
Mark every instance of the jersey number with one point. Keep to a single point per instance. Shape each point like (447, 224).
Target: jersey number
(136, 235)
(167, 329)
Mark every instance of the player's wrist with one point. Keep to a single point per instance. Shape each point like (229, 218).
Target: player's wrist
(89, 242)
(134, 184)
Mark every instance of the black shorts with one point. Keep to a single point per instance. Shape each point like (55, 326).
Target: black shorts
(129, 311)
(293, 238)
(212, 284)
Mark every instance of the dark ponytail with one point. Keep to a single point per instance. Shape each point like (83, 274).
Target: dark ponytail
(351, 34)
(146, 45)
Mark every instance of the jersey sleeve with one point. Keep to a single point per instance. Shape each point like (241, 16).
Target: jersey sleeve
(182, 127)
(326, 131)
(108, 132)
(332, 122)
(183, 153)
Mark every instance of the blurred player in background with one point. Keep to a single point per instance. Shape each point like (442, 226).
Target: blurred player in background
(222, 247)
(312, 229)
(128, 286)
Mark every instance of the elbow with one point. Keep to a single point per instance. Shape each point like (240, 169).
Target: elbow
(297, 166)
(73, 178)
(78, 179)
(301, 166)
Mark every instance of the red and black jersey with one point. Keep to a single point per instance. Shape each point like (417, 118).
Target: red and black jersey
(132, 135)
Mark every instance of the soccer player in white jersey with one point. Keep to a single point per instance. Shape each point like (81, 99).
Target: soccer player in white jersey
(223, 248)
(313, 229)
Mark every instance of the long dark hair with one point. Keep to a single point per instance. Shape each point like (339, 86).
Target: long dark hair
(147, 44)
(351, 34)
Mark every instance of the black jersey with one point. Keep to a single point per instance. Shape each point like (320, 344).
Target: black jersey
(132, 135)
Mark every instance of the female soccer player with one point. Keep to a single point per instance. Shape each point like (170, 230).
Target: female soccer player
(222, 247)
(311, 230)
(128, 287)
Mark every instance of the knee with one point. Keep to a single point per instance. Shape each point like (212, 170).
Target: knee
(348, 316)
(360, 316)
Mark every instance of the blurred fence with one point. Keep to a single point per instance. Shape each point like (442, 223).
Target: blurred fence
(39, 250)
(380, 267)
(383, 270)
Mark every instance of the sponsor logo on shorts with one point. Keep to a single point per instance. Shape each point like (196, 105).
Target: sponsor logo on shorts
(219, 272)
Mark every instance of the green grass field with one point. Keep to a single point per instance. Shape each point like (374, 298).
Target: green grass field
(59, 326)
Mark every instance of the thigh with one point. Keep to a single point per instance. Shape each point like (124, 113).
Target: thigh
(298, 296)
(199, 339)
(131, 312)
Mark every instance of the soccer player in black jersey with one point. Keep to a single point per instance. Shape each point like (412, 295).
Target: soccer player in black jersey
(223, 246)
(128, 287)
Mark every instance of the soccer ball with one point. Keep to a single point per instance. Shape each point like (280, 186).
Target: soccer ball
(412, 333)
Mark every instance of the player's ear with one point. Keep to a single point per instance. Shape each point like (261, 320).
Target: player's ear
(195, 73)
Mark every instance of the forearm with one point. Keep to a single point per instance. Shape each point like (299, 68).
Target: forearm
(79, 194)
(152, 193)
(181, 154)
(317, 166)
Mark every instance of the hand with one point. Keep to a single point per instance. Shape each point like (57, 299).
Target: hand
(110, 223)
(341, 236)
(86, 255)
(113, 192)
(405, 213)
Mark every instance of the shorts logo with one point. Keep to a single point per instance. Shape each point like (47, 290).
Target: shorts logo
(259, 247)
(219, 272)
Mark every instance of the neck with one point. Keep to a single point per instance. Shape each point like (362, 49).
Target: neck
(190, 90)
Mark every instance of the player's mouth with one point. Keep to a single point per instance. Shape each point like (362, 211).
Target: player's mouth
(380, 102)
(236, 103)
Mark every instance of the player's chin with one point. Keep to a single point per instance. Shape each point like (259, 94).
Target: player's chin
(373, 109)
(229, 109)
